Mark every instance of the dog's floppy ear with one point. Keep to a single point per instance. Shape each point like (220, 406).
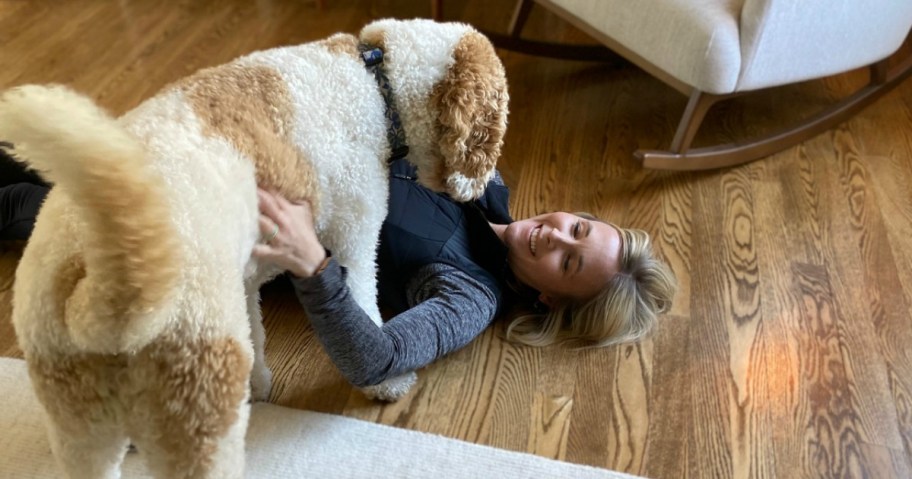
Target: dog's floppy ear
(471, 107)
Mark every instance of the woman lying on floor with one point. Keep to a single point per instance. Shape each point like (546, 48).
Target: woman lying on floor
(448, 269)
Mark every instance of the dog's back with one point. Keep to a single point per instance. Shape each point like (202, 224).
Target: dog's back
(132, 298)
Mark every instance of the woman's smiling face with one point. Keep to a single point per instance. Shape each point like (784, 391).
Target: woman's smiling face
(562, 255)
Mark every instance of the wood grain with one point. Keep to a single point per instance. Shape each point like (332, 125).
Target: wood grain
(788, 351)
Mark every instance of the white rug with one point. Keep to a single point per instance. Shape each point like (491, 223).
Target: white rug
(290, 443)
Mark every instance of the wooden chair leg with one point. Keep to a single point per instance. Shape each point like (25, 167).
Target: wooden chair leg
(520, 15)
(697, 106)
(680, 157)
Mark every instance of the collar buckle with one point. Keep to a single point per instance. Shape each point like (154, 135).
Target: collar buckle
(395, 133)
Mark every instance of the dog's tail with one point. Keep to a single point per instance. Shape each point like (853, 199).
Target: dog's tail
(130, 266)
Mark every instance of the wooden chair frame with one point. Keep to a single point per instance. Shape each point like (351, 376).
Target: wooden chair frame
(680, 155)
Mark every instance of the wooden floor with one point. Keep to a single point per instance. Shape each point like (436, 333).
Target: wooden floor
(789, 349)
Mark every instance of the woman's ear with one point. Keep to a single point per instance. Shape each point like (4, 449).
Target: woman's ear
(546, 300)
(471, 104)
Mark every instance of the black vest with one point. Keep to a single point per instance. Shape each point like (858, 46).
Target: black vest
(424, 227)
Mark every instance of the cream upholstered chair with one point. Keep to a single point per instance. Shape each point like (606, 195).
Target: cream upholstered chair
(715, 49)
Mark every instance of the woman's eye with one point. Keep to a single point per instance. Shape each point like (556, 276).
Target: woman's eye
(576, 229)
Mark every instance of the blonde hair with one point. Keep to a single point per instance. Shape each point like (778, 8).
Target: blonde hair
(625, 310)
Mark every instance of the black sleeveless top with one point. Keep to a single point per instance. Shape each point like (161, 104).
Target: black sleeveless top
(424, 227)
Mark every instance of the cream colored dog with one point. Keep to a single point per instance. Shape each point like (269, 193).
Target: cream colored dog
(135, 296)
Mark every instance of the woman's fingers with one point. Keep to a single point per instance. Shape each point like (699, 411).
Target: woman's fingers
(281, 210)
(259, 251)
(266, 223)
(280, 200)
(263, 251)
(268, 204)
(288, 237)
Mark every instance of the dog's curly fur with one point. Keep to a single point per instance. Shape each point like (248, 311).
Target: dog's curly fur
(136, 301)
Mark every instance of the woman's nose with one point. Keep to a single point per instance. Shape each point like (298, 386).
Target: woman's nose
(557, 237)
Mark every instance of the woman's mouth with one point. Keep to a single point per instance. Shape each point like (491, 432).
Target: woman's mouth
(533, 239)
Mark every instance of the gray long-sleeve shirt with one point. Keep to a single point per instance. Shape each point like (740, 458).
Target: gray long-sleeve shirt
(447, 310)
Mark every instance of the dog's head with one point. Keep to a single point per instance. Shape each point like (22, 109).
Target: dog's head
(451, 92)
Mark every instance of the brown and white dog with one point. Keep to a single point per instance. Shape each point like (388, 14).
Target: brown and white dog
(136, 300)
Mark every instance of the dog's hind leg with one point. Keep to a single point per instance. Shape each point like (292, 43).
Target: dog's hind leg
(228, 458)
(189, 414)
(89, 450)
(86, 437)
(215, 456)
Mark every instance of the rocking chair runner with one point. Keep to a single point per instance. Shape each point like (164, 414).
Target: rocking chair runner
(713, 50)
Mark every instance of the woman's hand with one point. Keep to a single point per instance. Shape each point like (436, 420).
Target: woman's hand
(289, 237)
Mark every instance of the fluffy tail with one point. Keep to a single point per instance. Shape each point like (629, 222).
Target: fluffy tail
(130, 265)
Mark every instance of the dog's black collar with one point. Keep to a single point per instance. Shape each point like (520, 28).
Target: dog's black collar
(395, 134)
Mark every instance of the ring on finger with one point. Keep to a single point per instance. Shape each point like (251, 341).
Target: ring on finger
(275, 232)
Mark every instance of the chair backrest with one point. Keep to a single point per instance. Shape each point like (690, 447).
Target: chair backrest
(685, 43)
(787, 41)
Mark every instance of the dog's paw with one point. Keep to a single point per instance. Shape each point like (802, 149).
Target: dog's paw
(392, 389)
(260, 383)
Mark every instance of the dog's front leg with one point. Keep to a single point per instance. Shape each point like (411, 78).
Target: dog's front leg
(260, 376)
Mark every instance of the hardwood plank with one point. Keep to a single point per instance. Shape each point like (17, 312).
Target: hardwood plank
(869, 270)
(668, 447)
(830, 421)
(553, 408)
(788, 211)
(889, 162)
(891, 319)
(676, 244)
(727, 335)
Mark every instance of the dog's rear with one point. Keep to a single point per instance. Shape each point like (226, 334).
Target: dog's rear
(100, 299)
(131, 263)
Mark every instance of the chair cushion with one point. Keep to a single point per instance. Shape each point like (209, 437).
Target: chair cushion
(695, 41)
